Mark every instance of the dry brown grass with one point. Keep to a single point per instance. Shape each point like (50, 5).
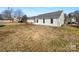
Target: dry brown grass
(28, 37)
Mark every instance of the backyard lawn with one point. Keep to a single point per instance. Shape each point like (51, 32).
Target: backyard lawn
(33, 38)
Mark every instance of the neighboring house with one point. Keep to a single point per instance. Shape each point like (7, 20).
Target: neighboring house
(4, 19)
(49, 19)
(72, 20)
(17, 19)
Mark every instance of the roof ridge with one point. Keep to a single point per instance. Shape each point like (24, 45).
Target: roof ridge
(51, 12)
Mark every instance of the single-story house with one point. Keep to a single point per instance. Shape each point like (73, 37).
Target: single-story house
(50, 19)
(72, 20)
(17, 19)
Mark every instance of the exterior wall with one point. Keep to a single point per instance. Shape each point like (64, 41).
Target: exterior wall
(47, 22)
(56, 22)
(16, 20)
(40, 22)
(61, 20)
(73, 19)
(30, 20)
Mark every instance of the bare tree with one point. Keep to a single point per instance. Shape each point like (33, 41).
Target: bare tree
(18, 14)
(7, 14)
(24, 18)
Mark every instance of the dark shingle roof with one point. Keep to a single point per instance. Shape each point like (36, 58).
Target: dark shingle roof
(48, 15)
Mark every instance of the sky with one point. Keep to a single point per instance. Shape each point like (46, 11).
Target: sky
(33, 11)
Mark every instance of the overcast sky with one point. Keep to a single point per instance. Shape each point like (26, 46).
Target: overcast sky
(33, 11)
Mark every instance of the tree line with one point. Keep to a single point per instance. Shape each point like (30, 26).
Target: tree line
(10, 14)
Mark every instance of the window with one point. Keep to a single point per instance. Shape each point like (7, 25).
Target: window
(51, 20)
(43, 20)
(37, 20)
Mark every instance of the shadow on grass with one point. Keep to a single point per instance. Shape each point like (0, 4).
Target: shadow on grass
(2, 25)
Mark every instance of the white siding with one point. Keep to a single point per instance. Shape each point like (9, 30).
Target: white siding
(47, 22)
(56, 22)
(61, 20)
(73, 19)
(16, 20)
(30, 20)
